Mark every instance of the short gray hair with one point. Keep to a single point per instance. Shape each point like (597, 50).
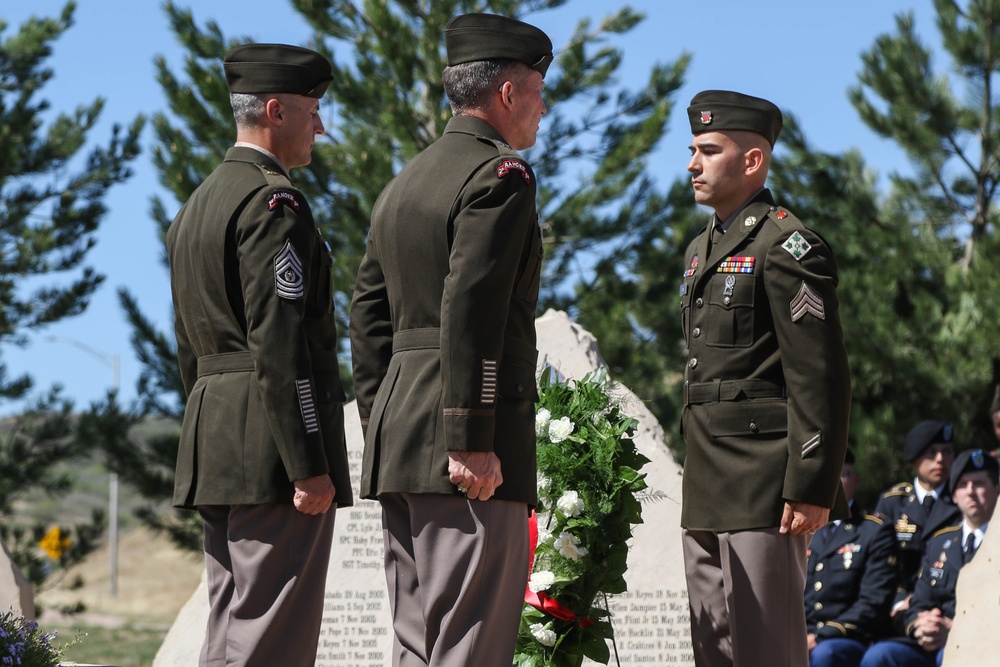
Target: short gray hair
(469, 85)
(248, 108)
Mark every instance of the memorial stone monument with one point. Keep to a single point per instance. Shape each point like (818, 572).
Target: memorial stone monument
(650, 620)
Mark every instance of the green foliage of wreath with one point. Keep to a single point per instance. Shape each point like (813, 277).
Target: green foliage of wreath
(588, 478)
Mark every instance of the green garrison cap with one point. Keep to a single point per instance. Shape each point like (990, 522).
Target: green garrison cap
(277, 68)
(472, 37)
(714, 110)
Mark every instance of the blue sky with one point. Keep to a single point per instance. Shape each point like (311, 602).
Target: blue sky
(801, 54)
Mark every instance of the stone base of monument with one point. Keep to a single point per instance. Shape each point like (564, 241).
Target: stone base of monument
(650, 620)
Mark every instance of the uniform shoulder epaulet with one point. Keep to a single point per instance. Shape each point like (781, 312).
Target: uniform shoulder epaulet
(784, 218)
(275, 179)
(902, 489)
(874, 517)
(947, 529)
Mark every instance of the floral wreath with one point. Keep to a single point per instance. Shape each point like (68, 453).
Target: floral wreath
(588, 481)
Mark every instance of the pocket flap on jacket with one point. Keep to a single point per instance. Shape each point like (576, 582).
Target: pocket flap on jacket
(517, 381)
(748, 418)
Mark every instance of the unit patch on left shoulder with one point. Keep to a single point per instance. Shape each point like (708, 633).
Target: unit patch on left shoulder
(286, 197)
(510, 166)
(796, 246)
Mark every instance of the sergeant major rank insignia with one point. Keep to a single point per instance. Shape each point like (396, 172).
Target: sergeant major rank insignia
(510, 166)
(289, 282)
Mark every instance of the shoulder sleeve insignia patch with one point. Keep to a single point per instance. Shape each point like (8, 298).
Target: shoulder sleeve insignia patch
(289, 282)
(796, 246)
(286, 197)
(511, 166)
(807, 301)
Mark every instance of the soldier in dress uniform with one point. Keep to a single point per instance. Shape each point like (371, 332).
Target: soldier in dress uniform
(975, 480)
(767, 394)
(918, 509)
(443, 342)
(262, 455)
(850, 583)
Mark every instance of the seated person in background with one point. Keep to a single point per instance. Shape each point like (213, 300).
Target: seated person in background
(975, 479)
(917, 510)
(850, 582)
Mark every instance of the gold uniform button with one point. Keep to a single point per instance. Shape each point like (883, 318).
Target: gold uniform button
(727, 301)
(753, 427)
(818, 586)
(820, 624)
(818, 606)
(699, 302)
(696, 332)
(819, 567)
(693, 363)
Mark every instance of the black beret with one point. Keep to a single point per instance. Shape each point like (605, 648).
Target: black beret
(972, 460)
(472, 37)
(714, 110)
(925, 434)
(277, 68)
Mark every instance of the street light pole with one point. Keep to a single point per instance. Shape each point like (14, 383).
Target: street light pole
(112, 360)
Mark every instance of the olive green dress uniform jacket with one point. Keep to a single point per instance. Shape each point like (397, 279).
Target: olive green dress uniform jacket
(256, 340)
(767, 385)
(442, 320)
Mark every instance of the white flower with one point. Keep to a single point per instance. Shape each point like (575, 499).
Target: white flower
(543, 535)
(542, 418)
(545, 636)
(541, 581)
(560, 429)
(569, 546)
(542, 482)
(570, 503)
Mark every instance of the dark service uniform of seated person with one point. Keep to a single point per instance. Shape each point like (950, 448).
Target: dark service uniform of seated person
(975, 480)
(767, 394)
(443, 343)
(262, 455)
(919, 509)
(850, 583)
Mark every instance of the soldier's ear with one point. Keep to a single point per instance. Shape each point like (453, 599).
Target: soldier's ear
(754, 161)
(273, 111)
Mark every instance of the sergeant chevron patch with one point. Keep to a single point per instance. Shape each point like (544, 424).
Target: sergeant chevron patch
(289, 282)
(807, 301)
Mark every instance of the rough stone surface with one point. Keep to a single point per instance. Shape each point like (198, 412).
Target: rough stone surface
(974, 639)
(15, 590)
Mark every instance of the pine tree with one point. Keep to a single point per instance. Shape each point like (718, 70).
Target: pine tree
(947, 125)
(51, 204)
(388, 105)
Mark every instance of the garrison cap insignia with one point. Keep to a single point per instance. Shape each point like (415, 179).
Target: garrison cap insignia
(509, 166)
(289, 283)
(807, 301)
(796, 246)
(286, 197)
(706, 117)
